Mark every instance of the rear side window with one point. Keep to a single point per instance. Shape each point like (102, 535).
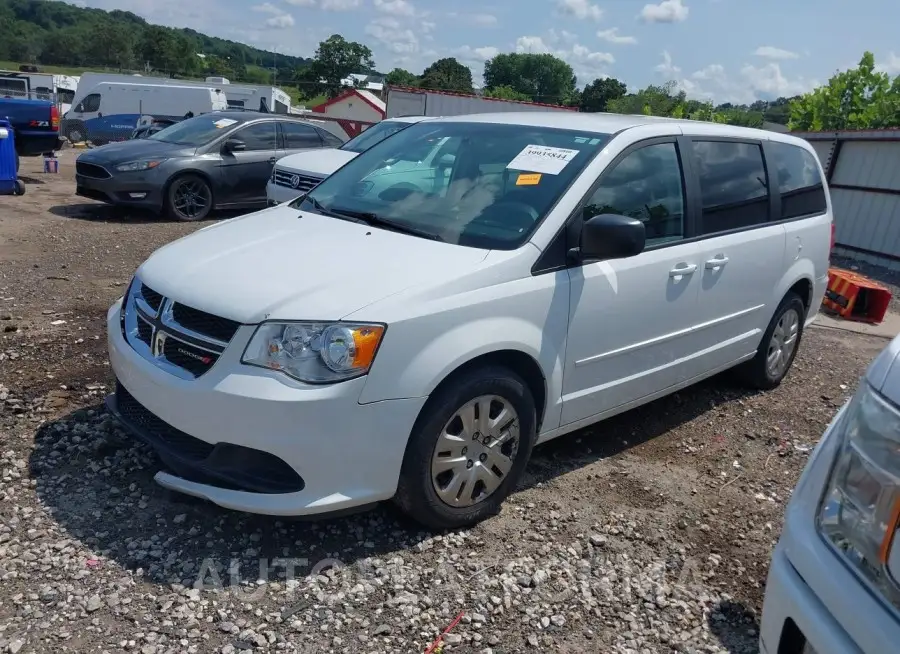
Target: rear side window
(330, 140)
(733, 185)
(298, 135)
(799, 180)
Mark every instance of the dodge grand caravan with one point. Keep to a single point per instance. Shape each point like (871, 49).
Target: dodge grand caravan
(414, 342)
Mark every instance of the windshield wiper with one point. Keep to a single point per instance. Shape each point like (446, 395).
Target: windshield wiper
(375, 220)
(325, 211)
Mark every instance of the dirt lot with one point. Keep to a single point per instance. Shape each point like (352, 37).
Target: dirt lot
(649, 533)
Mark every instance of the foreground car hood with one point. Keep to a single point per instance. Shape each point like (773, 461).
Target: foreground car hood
(133, 150)
(884, 372)
(281, 263)
(318, 163)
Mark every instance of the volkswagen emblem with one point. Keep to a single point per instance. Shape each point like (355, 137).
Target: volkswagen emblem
(295, 181)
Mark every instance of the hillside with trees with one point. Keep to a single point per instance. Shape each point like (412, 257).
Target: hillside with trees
(56, 33)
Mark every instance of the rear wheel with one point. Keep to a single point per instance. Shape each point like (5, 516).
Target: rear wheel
(189, 198)
(20, 187)
(76, 133)
(468, 449)
(778, 346)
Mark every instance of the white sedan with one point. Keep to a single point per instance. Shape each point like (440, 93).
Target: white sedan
(296, 174)
(834, 582)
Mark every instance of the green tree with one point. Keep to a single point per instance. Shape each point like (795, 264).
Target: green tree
(598, 93)
(400, 77)
(505, 93)
(335, 59)
(859, 98)
(447, 75)
(652, 101)
(541, 77)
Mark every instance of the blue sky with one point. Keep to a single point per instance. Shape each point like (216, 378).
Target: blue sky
(724, 50)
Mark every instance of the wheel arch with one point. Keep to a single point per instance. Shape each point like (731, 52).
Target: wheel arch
(798, 279)
(189, 171)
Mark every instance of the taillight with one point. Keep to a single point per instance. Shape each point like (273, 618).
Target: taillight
(54, 117)
(832, 235)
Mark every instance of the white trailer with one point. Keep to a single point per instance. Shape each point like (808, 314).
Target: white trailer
(38, 86)
(405, 101)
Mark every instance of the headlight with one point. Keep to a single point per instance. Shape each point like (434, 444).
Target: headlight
(134, 166)
(316, 353)
(860, 511)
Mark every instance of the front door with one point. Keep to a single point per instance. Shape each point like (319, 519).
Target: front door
(630, 320)
(742, 252)
(245, 173)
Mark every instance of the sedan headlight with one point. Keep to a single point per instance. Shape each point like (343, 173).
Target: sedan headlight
(134, 166)
(860, 511)
(316, 353)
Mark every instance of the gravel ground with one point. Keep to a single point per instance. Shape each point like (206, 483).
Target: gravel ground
(648, 533)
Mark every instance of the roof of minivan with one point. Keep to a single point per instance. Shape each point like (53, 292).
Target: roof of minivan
(603, 123)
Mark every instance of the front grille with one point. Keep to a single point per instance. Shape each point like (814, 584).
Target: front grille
(180, 339)
(189, 357)
(91, 170)
(302, 183)
(221, 329)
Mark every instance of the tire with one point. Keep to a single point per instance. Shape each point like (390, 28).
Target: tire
(20, 187)
(187, 210)
(758, 373)
(417, 490)
(17, 163)
(76, 132)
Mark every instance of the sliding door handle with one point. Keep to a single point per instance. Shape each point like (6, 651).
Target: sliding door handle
(682, 269)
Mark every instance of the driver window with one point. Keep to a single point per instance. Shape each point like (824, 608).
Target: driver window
(647, 185)
(90, 103)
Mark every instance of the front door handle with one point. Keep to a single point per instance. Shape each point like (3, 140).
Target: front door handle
(682, 269)
(718, 262)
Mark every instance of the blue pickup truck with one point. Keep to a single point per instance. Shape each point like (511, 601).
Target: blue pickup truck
(35, 124)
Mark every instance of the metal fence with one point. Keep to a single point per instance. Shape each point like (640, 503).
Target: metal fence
(863, 172)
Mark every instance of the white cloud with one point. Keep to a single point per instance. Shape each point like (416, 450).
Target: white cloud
(581, 9)
(268, 8)
(395, 7)
(770, 52)
(340, 5)
(667, 11)
(391, 34)
(475, 57)
(667, 68)
(301, 3)
(562, 36)
(612, 36)
(280, 22)
(586, 63)
(477, 19)
(891, 66)
(768, 82)
(712, 72)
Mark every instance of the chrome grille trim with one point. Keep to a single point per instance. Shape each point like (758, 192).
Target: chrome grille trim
(287, 178)
(139, 314)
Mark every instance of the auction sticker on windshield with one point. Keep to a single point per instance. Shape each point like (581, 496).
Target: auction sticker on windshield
(224, 122)
(542, 159)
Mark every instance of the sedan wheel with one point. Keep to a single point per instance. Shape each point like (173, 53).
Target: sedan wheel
(189, 198)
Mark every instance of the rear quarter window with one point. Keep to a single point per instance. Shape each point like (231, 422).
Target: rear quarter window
(799, 180)
(733, 185)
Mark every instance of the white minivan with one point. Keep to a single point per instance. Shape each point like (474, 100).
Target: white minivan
(296, 174)
(415, 342)
(834, 581)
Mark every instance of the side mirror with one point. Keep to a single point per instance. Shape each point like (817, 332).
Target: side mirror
(234, 145)
(611, 236)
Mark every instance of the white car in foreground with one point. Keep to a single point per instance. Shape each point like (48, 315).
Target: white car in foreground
(297, 173)
(834, 581)
(413, 333)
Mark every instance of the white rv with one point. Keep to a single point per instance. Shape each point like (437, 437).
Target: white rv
(39, 86)
(112, 110)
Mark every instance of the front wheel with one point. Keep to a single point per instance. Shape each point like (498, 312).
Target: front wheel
(778, 347)
(189, 198)
(468, 449)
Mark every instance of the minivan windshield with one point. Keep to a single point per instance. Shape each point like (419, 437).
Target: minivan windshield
(195, 131)
(374, 134)
(486, 185)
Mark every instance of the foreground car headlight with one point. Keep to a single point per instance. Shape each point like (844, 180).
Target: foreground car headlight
(134, 166)
(860, 511)
(317, 353)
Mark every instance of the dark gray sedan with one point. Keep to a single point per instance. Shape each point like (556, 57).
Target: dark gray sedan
(220, 160)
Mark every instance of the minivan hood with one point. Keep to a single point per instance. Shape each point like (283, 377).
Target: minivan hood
(319, 163)
(132, 150)
(281, 263)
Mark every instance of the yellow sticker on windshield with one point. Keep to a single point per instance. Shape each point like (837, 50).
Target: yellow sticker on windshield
(529, 179)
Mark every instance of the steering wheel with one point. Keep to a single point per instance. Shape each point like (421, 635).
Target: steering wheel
(508, 215)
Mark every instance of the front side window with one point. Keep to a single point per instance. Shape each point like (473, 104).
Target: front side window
(91, 103)
(196, 131)
(483, 185)
(799, 180)
(733, 185)
(647, 185)
(372, 135)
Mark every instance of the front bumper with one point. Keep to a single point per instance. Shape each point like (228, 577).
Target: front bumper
(346, 453)
(277, 194)
(812, 588)
(129, 189)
